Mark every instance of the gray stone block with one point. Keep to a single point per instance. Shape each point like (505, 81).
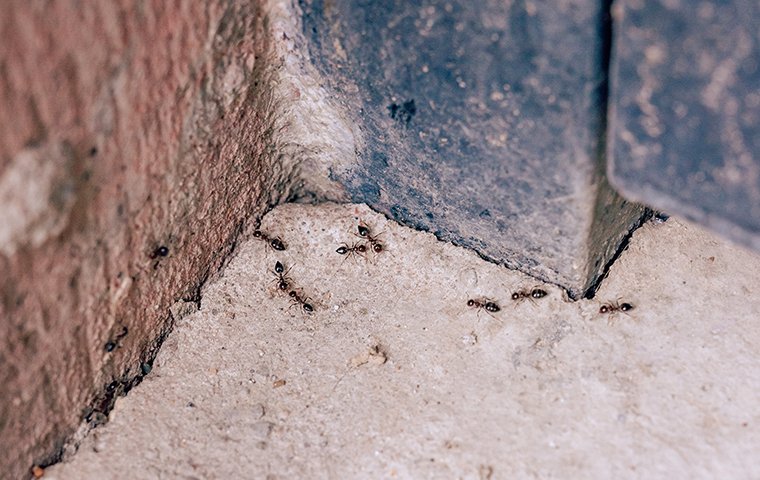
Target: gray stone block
(686, 111)
(481, 123)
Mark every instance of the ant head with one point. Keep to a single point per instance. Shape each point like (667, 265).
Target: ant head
(283, 285)
(377, 247)
(361, 248)
(470, 303)
(604, 309)
(293, 294)
(257, 234)
(515, 295)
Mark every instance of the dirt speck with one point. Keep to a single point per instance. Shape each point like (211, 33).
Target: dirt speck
(485, 472)
(375, 355)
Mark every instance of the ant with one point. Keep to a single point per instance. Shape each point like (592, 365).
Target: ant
(283, 281)
(356, 249)
(273, 242)
(533, 294)
(160, 251)
(615, 307)
(484, 304)
(111, 345)
(374, 243)
(298, 299)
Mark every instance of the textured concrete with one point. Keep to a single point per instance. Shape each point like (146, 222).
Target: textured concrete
(124, 127)
(482, 122)
(685, 117)
(393, 376)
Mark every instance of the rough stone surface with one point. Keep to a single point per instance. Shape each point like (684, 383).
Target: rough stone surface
(125, 126)
(481, 122)
(685, 118)
(393, 376)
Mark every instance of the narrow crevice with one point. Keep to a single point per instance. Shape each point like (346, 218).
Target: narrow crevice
(95, 414)
(591, 291)
(603, 90)
(605, 54)
(632, 215)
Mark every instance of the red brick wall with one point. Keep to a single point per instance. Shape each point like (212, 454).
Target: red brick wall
(124, 126)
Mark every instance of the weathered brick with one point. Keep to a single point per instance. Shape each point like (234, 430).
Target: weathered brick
(125, 126)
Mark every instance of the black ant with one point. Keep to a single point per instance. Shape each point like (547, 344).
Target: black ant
(273, 242)
(283, 281)
(533, 294)
(356, 249)
(298, 299)
(485, 304)
(374, 242)
(615, 307)
(111, 345)
(160, 251)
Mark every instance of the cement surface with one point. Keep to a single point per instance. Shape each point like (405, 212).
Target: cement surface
(394, 376)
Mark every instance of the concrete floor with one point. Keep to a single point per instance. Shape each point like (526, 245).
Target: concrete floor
(394, 376)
